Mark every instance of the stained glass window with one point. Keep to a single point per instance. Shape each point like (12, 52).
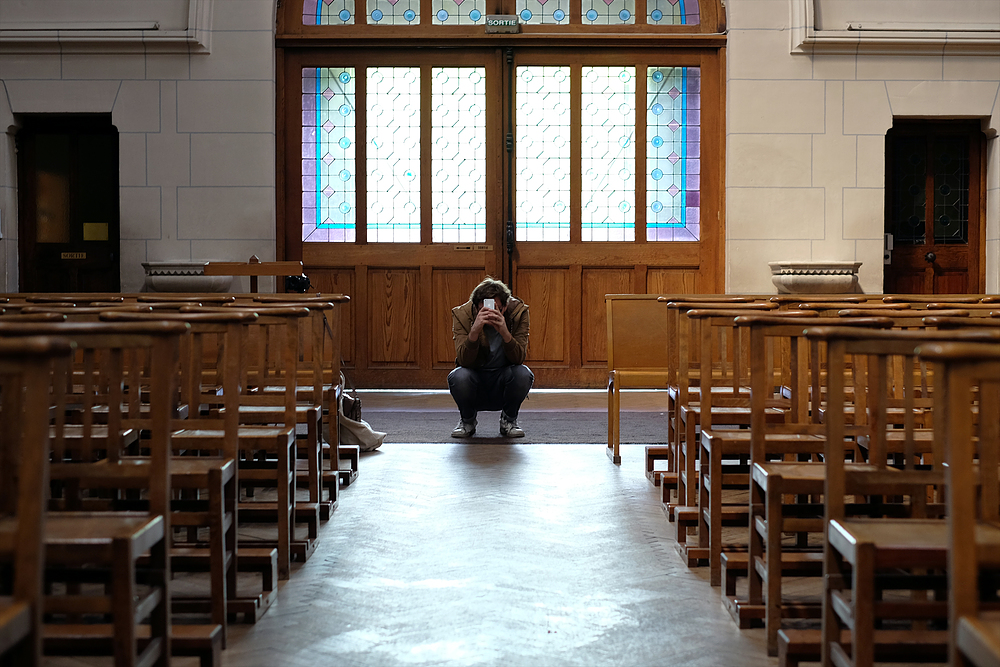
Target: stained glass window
(328, 170)
(328, 12)
(543, 153)
(394, 12)
(673, 154)
(909, 201)
(951, 189)
(672, 12)
(393, 149)
(459, 12)
(458, 154)
(552, 12)
(608, 12)
(608, 154)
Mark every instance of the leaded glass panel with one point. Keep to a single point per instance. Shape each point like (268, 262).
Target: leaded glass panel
(328, 12)
(608, 12)
(393, 12)
(951, 190)
(673, 12)
(909, 191)
(608, 154)
(536, 12)
(673, 154)
(328, 171)
(459, 12)
(458, 154)
(393, 149)
(543, 153)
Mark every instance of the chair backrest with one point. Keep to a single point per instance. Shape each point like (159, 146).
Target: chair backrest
(969, 387)
(805, 371)
(27, 374)
(637, 332)
(878, 349)
(119, 364)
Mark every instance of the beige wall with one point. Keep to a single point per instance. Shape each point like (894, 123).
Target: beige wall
(195, 121)
(805, 135)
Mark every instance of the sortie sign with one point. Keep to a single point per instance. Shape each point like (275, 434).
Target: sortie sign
(502, 23)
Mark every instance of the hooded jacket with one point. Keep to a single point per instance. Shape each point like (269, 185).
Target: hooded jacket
(474, 355)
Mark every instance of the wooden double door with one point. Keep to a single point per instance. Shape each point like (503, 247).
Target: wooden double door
(410, 174)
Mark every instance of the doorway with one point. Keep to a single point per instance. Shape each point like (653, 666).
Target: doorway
(570, 173)
(68, 203)
(935, 208)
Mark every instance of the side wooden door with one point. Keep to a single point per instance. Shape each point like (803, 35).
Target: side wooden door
(935, 208)
(68, 204)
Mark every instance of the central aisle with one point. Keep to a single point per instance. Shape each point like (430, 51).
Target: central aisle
(535, 555)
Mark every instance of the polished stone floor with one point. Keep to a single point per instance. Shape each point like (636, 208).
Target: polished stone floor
(451, 554)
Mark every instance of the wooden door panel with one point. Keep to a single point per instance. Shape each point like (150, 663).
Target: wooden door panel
(597, 283)
(544, 290)
(393, 332)
(332, 281)
(673, 281)
(451, 288)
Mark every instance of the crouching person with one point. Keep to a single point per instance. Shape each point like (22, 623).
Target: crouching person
(491, 340)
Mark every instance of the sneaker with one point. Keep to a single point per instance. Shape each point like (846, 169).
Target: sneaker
(509, 427)
(464, 429)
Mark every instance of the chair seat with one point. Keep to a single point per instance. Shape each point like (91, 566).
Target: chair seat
(799, 477)
(15, 623)
(978, 638)
(251, 437)
(74, 537)
(185, 472)
(74, 434)
(908, 542)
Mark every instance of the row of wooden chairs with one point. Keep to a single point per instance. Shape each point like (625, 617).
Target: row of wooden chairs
(232, 415)
(791, 379)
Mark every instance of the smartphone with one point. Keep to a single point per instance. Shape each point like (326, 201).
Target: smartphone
(488, 303)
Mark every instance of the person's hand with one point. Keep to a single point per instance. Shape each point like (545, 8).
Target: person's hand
(493, 317)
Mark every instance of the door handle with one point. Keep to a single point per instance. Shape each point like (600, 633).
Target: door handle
(930, 257)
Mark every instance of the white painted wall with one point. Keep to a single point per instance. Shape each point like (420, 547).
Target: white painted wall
(806, 134)
(196, 130)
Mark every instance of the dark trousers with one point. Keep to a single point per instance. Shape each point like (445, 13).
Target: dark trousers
(476, 389)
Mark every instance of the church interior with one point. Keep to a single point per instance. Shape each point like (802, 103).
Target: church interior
(226, 223)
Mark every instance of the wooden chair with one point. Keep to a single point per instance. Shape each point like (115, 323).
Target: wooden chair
(26, 378)
(724, 392)
(213, 354)
(318, 385)
(684, 388)
(107, 547)
(774, 450)
(897, 546)
(972, 447)
(639, 347)
(267, 430)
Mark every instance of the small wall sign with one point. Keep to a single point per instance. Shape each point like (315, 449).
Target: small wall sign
(73, 255)
(497, 23)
